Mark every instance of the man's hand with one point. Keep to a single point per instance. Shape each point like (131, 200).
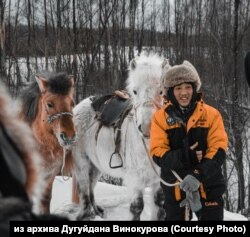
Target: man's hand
(198, 153)
(190, 184)
(193, 200)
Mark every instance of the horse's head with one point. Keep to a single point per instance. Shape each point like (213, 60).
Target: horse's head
(145, 87)
(56, 104)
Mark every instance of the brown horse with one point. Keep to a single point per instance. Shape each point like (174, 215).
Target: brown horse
(47, 105)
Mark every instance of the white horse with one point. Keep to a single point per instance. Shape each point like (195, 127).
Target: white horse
(95, 145)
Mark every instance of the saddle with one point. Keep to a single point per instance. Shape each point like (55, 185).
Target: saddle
(111, 110)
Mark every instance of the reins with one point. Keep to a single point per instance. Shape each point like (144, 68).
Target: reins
(63, 165)
(154, 168)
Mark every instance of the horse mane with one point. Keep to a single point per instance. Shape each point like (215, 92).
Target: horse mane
(57, 83)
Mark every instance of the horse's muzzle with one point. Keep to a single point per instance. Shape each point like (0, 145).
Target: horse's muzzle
(66, 141)
(145, 133)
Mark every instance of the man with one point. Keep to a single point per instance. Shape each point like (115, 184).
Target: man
(188, 136)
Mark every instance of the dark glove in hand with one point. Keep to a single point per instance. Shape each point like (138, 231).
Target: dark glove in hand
(193, 200)
(190, 184)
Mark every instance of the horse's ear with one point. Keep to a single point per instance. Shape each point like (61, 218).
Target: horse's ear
(42, 83)
(166, 67)
(132, 64)
(165, 61)
(72, 79)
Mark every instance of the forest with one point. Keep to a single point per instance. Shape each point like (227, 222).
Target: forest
(95, 40)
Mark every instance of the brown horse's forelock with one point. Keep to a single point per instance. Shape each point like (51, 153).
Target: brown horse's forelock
(58, 83)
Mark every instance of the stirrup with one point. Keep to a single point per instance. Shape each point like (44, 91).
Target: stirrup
(115, 158)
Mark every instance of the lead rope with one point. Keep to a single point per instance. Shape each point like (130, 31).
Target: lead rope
(153, 166)
(187, 206)
(63, 166)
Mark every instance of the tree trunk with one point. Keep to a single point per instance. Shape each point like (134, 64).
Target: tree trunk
(236, 124)
(29, 40)
(2, 41)
(46, 35)
(58, 37)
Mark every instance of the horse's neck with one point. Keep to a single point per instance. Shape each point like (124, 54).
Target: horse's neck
(46, 139)
(129, 132)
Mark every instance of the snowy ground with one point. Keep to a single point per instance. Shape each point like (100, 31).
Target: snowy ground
(113, 199)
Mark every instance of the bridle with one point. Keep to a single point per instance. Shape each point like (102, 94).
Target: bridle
(133, 113)
(53, 117)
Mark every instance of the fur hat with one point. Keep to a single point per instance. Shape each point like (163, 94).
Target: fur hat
(178, 74)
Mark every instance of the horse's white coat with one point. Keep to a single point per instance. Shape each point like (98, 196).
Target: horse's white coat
(144, 86)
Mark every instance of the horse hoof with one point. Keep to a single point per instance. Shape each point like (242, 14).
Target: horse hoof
(136, 218)
(84, 217)
(99, 211)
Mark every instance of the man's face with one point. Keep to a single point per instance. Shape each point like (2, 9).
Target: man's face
(183, 94)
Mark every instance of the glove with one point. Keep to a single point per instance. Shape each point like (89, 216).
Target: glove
(193, 200)
(171, 160)
(190, 184)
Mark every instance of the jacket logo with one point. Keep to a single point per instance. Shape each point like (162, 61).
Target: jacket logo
(201, 122)
(170, 121)
(208, 204)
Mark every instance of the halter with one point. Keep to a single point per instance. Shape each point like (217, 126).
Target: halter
(151, 102)
(51, 118)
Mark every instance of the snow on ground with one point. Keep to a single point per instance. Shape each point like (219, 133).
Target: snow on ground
(114, 199)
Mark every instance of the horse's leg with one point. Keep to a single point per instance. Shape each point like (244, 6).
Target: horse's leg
(75, 191)
(137, 206)
(47, 195)
(94, 176)
(159, 201)
(82, 174)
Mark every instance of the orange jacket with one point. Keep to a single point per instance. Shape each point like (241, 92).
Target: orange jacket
(204, 116)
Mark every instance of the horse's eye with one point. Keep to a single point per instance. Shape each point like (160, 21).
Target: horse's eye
(135, 92)
(160, 92)
(50, 105)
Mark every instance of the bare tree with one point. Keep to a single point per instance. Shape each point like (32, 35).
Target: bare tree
(140, 27)
(237, 114)
(46, 34)
(132, 11)
(58, 35)
(2, 40)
